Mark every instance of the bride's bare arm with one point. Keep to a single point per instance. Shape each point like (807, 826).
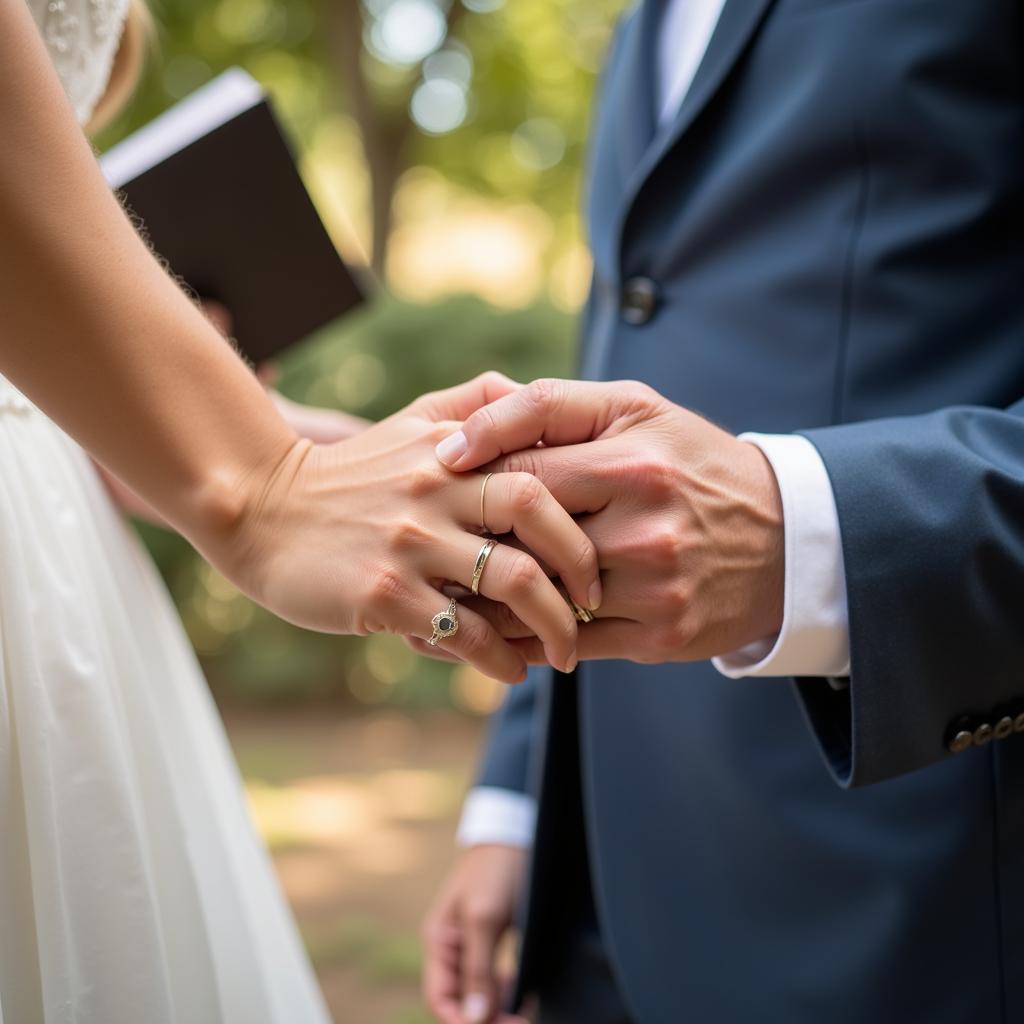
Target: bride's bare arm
(95, 332)
(350, 537)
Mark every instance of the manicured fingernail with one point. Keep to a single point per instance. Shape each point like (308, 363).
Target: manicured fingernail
(475, 1007)
(452, 448)
(595, 595)
(570, 665)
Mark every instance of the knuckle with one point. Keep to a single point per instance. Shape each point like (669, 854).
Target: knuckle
(386, 593)
(423, 481)
(650, 472)
(584, 557)
(638, 391)
(480, 422)
(543, 392)
(522, 574)
(481, 913)
(491, 379)
(665, 543)
(524, 463)
(407, 534)
(526, 493)
(568, 629)
(676, 599)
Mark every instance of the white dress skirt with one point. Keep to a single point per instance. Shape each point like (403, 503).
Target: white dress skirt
(133, 887)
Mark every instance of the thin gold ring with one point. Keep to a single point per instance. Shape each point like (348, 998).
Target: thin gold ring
(582, 614)
(483, 492)
(481, 561)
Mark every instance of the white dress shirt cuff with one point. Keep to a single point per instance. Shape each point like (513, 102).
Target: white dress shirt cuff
(497, 816)
(815, 637)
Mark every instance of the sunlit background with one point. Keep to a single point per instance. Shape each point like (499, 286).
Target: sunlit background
(443, 144)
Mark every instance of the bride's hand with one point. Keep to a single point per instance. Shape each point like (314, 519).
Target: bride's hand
(360, 537)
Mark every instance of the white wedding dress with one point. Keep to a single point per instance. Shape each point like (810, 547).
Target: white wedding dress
(133, 888)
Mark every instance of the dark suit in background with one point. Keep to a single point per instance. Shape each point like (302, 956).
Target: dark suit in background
(828, 235)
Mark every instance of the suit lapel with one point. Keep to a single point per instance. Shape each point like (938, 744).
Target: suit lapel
(632, 102)
(736, 27)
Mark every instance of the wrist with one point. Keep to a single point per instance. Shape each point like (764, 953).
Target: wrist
(767, 525)
(233, 509)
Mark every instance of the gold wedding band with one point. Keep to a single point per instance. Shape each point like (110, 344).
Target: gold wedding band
(481, 561)
(483, 493)
(445, 623)
(582, 614)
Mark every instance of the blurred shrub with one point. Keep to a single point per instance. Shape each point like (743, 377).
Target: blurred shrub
(371, 363)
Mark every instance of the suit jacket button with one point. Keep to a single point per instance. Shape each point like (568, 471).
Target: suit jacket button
(1018, 723)
(639, 299)
(1004, 727)
(961, 742)
(983, 734)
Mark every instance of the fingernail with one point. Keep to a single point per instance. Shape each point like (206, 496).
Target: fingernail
(475, 1007)
(595, 595)
(571, 664)
(452, 448)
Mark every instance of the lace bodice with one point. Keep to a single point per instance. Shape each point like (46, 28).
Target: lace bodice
(82, 37)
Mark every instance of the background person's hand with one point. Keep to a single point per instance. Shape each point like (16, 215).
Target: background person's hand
(473, 912)
(686, 518)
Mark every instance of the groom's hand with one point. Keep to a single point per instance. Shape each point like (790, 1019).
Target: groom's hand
(687, 520)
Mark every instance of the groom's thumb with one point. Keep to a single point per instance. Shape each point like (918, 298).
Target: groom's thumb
(557, 412)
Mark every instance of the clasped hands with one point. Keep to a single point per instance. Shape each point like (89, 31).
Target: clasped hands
(685, 518)
(668, 527)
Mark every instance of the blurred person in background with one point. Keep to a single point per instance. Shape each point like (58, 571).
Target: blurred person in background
(132, 885)
(805, 219)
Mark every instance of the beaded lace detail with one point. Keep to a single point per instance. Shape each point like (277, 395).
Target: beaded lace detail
(82, 37)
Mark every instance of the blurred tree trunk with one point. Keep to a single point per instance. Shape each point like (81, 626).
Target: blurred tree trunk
(384, 128)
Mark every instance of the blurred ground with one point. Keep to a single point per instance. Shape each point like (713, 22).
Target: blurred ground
(359, 813)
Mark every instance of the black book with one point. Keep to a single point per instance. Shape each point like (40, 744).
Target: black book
(216, 188)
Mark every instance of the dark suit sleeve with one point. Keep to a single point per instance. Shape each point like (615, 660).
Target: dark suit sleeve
(931, 511)
(507, 753)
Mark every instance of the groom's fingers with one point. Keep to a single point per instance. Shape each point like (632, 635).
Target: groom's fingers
(479, 946)
(422, 647)
(555, 412)
(598, 640)
(464, 399)
(571, 473)
(442, 983)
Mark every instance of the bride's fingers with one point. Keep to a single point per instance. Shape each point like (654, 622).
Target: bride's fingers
(422, 647)
(515, 579)
(519, 503)
(505, 621)
(628, 597)
(411, 612)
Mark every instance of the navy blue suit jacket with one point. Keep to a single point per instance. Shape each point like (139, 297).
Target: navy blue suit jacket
(832, 224)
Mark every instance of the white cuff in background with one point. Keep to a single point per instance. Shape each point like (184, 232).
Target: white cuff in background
(815, 635)
(497, 816)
